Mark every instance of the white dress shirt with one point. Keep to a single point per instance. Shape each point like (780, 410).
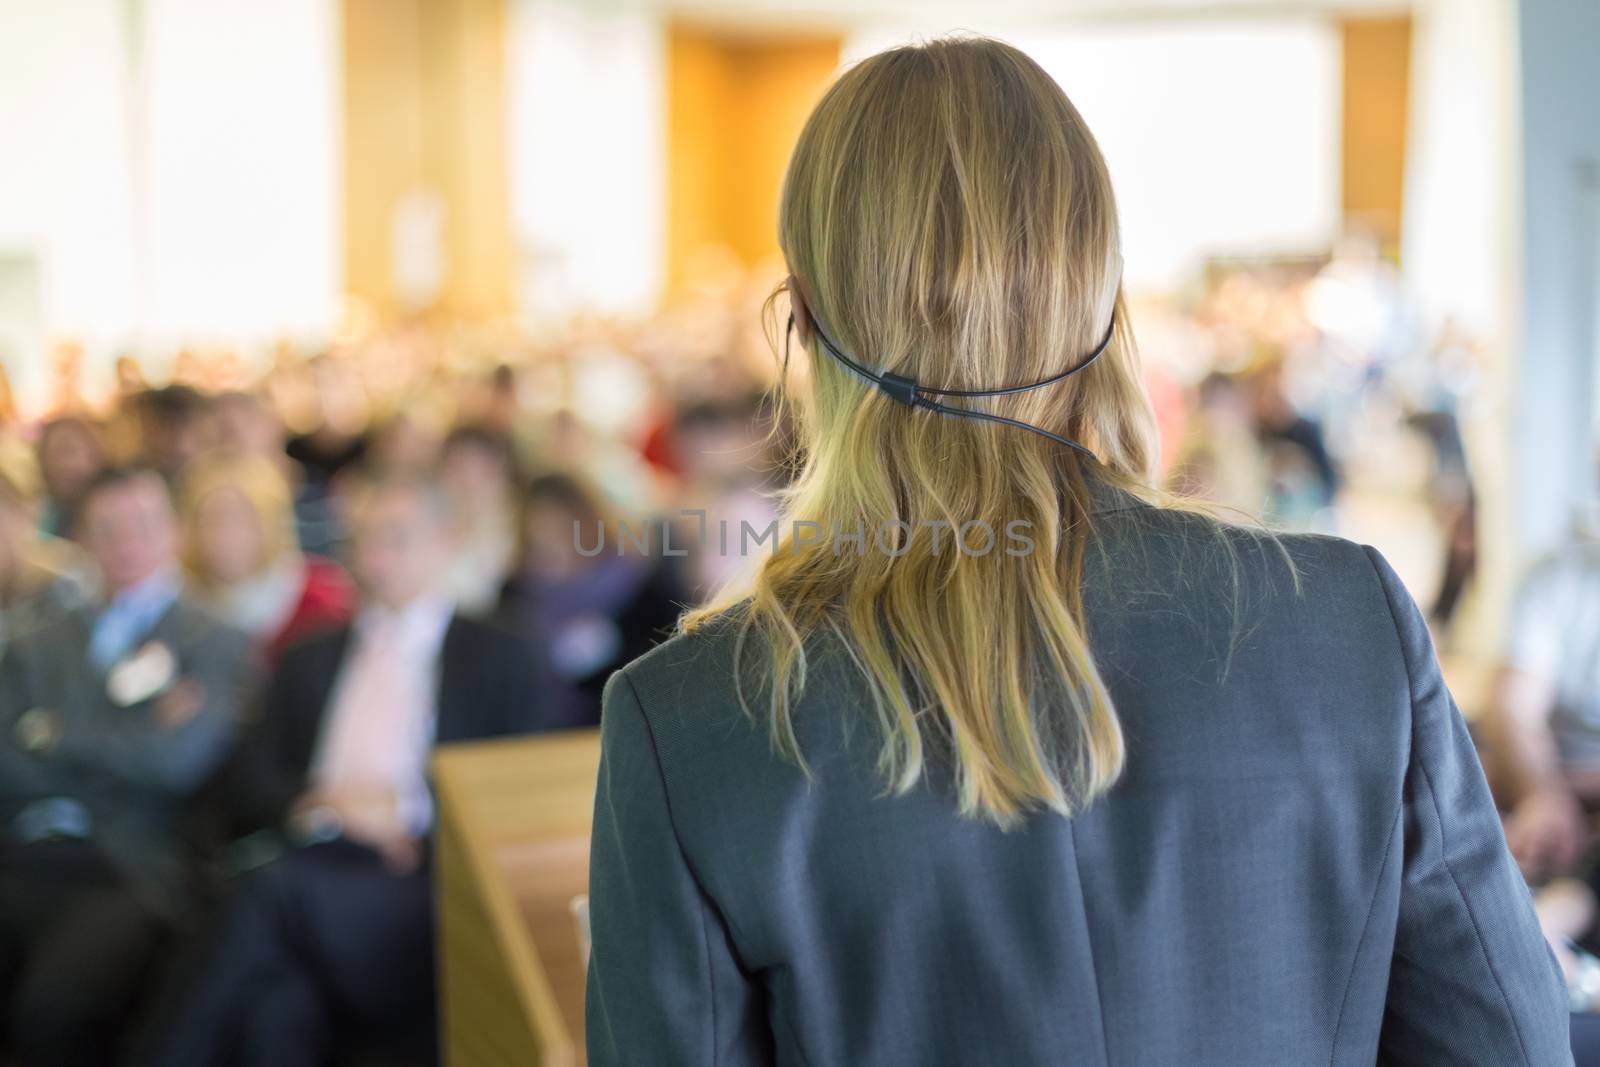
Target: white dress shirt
(383, 707)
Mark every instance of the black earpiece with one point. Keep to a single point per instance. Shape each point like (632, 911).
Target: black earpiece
(908, 392)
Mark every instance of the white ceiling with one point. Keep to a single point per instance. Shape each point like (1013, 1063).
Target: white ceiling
(822, 15)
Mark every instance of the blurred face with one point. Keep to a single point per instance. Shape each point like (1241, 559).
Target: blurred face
(1268, 399)
(173, 444)
(130, 531)
(718, 449)
(249, 427)
(400, 547)
(405, 447)
(472, 473)
(552, 547)
(68, 458)
(231, 544)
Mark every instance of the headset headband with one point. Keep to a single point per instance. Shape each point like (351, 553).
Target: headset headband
(909, 392)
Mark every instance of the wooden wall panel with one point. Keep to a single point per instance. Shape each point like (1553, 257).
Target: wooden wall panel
(1377, 70)
(735, 106)
(425, 110)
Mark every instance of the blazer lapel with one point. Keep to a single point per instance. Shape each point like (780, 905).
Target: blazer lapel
(73, 671)
(1105, 498)
(172, 629)
(453, 674)
(331, 650)
(312, 691)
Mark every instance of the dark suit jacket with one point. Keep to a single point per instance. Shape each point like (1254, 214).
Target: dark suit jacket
(1301, 865)
(131, 773)
(486, 689)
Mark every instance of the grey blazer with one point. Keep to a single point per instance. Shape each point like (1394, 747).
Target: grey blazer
(131, 774)
(1301, 865)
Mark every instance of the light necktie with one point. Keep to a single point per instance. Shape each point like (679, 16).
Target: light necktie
(376, 737)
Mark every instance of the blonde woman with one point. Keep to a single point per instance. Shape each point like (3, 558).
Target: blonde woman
(1040, 768)
(244, 562)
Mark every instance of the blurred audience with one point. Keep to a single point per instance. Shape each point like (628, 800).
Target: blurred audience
(1220, 459)
(333, 435)
(70, 455)
(243, 560)
(478, 473)
(247, 425)
(1302, 476)
(1540, 741)
(486, 604)
(109, 715)
(331, 943)
(1542, 729)
(731, 458)
(40, 577)
(401, 445)
(176, 425)
(592, 592)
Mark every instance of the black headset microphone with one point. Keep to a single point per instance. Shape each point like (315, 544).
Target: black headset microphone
(909, 392)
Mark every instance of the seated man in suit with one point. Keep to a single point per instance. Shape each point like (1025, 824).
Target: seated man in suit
(109, 715)
(336, 934)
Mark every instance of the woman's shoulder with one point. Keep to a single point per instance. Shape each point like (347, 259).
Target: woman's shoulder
(1121, 514)
(1194, 530)
(681, 700)
(699, 658)
(1208, 563)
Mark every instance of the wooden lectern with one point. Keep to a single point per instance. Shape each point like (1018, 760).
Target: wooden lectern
(513, 853)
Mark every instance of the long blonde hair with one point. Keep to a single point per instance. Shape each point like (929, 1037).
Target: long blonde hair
(947, 216)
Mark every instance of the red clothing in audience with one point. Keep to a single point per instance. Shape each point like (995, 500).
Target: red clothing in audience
(656, 445)
(327, 599)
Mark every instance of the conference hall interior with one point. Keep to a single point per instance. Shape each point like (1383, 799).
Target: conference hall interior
(314, 305)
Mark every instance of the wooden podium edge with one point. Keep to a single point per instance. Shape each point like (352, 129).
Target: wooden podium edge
(518, 952)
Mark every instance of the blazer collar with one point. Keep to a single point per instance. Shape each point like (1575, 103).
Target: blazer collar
(1105, 497)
